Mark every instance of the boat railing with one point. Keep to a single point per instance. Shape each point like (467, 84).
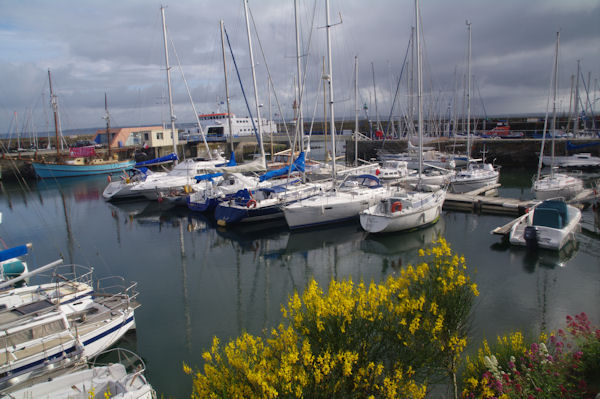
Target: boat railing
(132, 362)
(116, 289)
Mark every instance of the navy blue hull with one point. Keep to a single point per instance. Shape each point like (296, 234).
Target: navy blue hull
(226, 215)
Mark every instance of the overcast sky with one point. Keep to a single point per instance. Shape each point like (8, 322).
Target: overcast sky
(116, 47)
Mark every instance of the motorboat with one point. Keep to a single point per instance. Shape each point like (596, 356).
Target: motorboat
(549, 224)
(404, 210)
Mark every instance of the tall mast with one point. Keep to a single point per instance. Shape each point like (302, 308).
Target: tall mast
(329, 79)
(55, 111)
(469, 94)
(300, 120)
(107, 117)
(355, 110)
(554, 93)
(173, 135)
(375, 98)
(419, 87)
(576, 108)
(260, 144)
(226, 86)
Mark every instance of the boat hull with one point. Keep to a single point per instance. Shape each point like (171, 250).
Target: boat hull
(547, 237)
(408, 219)
(53, 170)
(329, 208)
(466, 185)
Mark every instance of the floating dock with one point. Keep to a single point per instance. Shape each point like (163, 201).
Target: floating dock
(480, 201)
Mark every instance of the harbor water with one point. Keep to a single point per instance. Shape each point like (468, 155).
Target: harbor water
(197, 280)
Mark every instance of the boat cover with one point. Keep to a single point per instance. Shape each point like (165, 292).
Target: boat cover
(167, 158)
(13, 252)
(297, 165)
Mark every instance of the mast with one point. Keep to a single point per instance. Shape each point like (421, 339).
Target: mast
(55, 111)
(299, 120)
(173, 135)
(576, 99)
(326, 159)
(355, 110)
(107, 117)
(226, 86)
(554, 92)
(469, 94)
(260, 144)
(329, 79)
(375, 97)
(419, 88)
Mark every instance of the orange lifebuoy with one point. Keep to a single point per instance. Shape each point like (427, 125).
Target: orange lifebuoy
(251, 203)
(396, 206)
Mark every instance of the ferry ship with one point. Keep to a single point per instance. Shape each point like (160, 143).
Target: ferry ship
(216, 126)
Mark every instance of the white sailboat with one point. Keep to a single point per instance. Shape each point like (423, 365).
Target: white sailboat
(113, 380)
(406, 210)
(40, 336)
(477, 175)
(339, 203)
(554, 184)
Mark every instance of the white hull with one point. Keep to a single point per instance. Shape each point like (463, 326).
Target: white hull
(111, 380)
(557, 185)
(330, 207)
(547, 237)
(424, 209)
(474, 179)
(581, 160)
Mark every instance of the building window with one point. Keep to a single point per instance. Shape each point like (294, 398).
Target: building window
(159, 136)
(146, 137)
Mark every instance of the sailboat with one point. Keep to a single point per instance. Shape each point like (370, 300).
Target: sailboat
(554, 184)
(79, 166)
(343, 201)
(407, 210)
(477, 175)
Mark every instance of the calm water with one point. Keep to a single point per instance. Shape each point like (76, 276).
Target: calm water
(197, 281)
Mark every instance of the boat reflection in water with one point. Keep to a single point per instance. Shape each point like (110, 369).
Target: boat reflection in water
(402, 248)
(532, 258)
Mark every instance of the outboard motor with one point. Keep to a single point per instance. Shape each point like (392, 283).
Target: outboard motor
(530, 236)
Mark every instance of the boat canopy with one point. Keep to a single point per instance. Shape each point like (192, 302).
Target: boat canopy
(13, 252)
(297, 165)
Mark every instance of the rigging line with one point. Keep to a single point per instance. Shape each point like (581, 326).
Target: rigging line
(397, 90)
(191, 100)
(242, 86)
(269, 76)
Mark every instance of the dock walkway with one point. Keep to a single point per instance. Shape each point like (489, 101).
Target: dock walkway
(476, 202)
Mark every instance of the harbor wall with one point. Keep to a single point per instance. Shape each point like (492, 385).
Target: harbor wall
(505, 152)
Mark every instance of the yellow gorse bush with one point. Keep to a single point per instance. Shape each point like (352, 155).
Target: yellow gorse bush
(382, 340)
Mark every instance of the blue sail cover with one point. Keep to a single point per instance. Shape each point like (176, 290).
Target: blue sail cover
(231, 161)
(208, 176)
(297, 165)
(571, 146)
(13, 252)
(167, 158)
